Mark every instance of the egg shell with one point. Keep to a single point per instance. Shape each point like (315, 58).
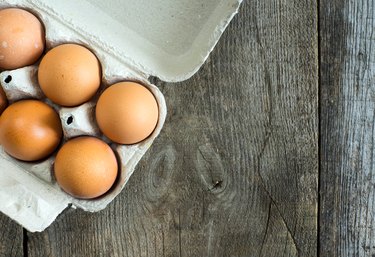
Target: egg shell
(127, 112)
(22, 38)
(85, 167)
(69, 74)
(30, 130)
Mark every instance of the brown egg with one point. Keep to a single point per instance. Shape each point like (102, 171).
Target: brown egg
(85, 167)
(3, 100)
(21, 38)
(30, 130)
(69, 74)
(127, 112)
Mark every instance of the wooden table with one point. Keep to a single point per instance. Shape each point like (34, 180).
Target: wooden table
(267, 151)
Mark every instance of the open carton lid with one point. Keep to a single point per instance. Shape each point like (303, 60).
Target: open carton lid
(169, 39)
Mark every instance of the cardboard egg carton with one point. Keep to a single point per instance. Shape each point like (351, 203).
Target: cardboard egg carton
(77, 121)
(171, 41)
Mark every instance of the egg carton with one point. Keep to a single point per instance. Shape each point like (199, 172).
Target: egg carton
(77, 121)
(171, 45)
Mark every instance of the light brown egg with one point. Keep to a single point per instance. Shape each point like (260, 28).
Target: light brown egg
(69, 74)
(85, 167)
(30, 130)
(21, 38)
(127, 112)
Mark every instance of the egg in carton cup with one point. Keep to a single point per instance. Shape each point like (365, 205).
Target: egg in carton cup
(76, 121)
(127, 51)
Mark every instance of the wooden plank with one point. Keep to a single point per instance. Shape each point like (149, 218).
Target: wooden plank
(11, 238)
(234, 172)
(347, 180)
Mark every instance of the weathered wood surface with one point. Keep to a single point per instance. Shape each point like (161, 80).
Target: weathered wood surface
(235, 170)
(11, 238)
(347, 213)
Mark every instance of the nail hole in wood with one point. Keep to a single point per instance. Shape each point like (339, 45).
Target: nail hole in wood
(217, 184)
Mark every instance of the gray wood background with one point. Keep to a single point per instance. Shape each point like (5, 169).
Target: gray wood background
(267, 151)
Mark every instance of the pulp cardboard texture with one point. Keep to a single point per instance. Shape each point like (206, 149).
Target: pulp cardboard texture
(133, 39)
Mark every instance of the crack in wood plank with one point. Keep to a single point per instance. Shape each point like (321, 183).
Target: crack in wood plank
(281, 216)
(269, 130)
(263, 184)
(266, 230)
(179, 233)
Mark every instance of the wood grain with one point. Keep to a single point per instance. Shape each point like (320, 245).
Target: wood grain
(11, 238)
(235, 170)
(347, 222)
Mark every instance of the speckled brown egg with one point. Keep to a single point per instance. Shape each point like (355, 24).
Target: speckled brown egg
(21, 38)
(85, 167)
(69, 74)
(127, 112)
(30, 130)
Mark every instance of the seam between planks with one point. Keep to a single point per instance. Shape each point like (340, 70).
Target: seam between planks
(318, 26)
